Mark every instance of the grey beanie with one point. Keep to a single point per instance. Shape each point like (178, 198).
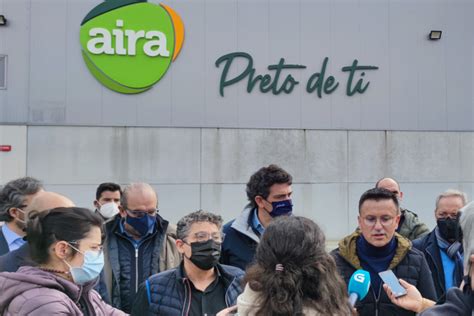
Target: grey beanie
(467, 226)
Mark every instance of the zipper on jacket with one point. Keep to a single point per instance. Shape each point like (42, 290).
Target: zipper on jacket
(136, 269)
(186, 306)
(226, 297)
(377, 298)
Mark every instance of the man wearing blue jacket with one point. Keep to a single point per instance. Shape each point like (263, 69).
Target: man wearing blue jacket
(442, 247)
(269, 194)
(138, 245)
(200, 285)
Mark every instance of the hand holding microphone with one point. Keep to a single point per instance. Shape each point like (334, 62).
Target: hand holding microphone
(359, 285)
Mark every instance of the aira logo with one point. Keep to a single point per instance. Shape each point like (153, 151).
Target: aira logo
(129, 45)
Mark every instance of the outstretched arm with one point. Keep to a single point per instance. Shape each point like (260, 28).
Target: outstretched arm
(412, 301)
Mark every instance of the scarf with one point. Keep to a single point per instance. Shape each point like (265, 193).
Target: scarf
(454, 251)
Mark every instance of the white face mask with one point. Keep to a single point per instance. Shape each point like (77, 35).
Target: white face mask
(108, 210)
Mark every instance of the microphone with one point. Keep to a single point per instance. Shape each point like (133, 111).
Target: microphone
(359, 285)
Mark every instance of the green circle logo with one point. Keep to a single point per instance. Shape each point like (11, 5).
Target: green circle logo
(129, 45)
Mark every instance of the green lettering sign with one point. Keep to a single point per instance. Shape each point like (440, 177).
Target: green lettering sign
(129, 45)
(317, 82)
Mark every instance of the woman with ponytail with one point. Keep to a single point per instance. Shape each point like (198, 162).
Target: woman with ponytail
(293, 274)
(66, 245)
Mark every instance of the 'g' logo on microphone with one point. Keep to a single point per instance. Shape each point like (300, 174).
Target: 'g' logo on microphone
(359, 278)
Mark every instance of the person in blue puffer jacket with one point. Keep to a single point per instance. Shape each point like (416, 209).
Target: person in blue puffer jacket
(200, 285)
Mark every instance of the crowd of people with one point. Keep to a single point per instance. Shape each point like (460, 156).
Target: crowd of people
(123, 257)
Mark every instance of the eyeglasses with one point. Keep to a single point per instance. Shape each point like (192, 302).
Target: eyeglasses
(205, 236)
(384, 220)
(98, 249)
(139, 213)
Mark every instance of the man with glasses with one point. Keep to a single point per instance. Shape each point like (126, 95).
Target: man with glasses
(442, 247)
(139, 243)
(200, 285)
(376, 247)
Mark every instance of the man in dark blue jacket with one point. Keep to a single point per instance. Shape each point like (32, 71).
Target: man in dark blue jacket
(200, 285)
(138, 245)
(269, 193)
(15, 196)
(459, 301)
(442, 247)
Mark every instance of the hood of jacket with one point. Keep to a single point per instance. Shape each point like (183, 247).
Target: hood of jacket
(241, 224)
(27, 278)
(347, 249)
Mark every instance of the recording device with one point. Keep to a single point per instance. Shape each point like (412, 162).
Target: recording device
(389, 278)
(359, 285)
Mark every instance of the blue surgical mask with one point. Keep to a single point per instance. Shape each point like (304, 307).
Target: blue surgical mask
(91, 268)
(281, 208)
(142, 224)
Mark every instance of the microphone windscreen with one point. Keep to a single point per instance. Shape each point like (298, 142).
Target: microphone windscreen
(359, 283)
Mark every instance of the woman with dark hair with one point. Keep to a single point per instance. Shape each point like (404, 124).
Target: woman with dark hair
(293, 274)
(66, 244)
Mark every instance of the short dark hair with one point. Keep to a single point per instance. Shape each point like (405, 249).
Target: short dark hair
(70, 224)
(184, 224)
(261, 181)
(13, 195)
(107, 186)
(378, 194)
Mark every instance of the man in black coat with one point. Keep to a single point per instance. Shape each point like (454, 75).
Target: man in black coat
(377, 247)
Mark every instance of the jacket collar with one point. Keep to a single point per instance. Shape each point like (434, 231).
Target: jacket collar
(241, 224)
(221, 272)
(347, 250)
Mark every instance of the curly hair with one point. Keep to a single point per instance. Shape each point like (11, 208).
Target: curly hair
(308, 274)
(185, 223)
(261, 181)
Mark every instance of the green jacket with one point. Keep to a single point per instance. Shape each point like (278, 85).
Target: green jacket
(412, 228)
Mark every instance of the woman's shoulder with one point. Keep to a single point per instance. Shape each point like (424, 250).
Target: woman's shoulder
(42, 301)
(247, 302)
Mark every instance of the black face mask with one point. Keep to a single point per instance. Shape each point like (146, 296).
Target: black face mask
(205, 254)
(450, 229)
